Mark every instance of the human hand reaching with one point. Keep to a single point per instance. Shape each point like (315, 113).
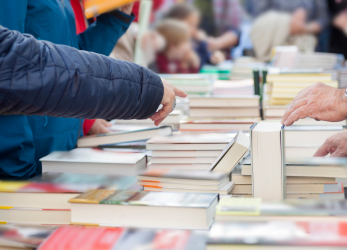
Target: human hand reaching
(318, 101)
(100, 126)
(127, 9)
(169, 97)
(335, 145)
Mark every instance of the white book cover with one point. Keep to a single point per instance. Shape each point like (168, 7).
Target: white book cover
(93, 155)
(181, 138)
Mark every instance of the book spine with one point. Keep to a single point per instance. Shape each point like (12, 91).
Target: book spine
(283, 167)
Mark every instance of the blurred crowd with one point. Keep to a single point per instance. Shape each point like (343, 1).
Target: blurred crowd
(185, 35)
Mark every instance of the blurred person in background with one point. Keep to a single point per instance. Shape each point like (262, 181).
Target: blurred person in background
(191, 16)
(178, 56)
(316, 15)
(221, 20)
(338, 32)
(26, 139)
(151, 43)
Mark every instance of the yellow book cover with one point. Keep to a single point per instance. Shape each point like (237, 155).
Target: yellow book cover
(97, 7)
(93, 196)
(301, 85)
(239, 206)
(12, 186)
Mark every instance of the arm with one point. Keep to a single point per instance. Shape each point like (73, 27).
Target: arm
(41, 78)
(102, 36)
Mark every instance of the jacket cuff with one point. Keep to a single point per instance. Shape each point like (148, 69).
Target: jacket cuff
(125, 18)
(157, 98)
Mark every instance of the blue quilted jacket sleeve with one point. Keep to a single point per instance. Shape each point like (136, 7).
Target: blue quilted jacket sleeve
(42, 78)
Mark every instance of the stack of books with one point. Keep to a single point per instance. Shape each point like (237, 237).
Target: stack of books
(92, 238)
(223, 69)
(224, 107)
(289, 235)
(283, 88)
(310, 178)
(44, 200)
(255, 209)
(342, 78)
(187, 151)
(216, 125)
(191, 181)
(290, 57)
(192, 84)
(101, 207)
(185, 181)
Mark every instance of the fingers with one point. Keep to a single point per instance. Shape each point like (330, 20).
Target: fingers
(106, 123)
(157, 122)
(179, 92)
(297, 103)
(163, 112)
(299, 113)
(323, 150)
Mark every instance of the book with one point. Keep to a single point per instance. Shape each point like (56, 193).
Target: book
(298, 136)
(14, 237)
(224, 112)
(294, 78)
(301, 188)
(94, 8)
(182, 160)
(94, 161)
(222, 190)
(268, 161)
(144, 209)
(173, 118)
(216, 125)
(179, 141)
(126, 136)
(232, 154)
(224, 101)
(332, 167)
(255, 209)
(187, 153)
(184, 177)
(288, 235)
(123, 239)
(205, 167)
(53, 190)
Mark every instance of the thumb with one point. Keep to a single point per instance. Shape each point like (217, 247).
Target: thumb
(179, 92)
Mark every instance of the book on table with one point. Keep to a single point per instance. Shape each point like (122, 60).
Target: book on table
(268, 161)
(290, 235)
(232, 154)
(44, 199)
(185, 181)
(144, 209)
(216, 125)
(124, 239)
(124, 136)
(94, 161)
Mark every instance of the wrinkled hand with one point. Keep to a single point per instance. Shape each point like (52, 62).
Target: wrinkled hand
(335, 145)
(99, 127)
(318, 101)
(170, 93)
(127, 9)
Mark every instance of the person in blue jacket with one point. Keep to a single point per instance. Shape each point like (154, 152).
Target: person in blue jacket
(42, 78)
(26, 139)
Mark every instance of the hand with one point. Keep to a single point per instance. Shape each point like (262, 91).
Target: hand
(335, 145)
(298, 22)
(99, 127)
(127, 9)
(217, 57)
(318, 101)
(192, 59)
(170, 93)
(213, 43)
(340, 21)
